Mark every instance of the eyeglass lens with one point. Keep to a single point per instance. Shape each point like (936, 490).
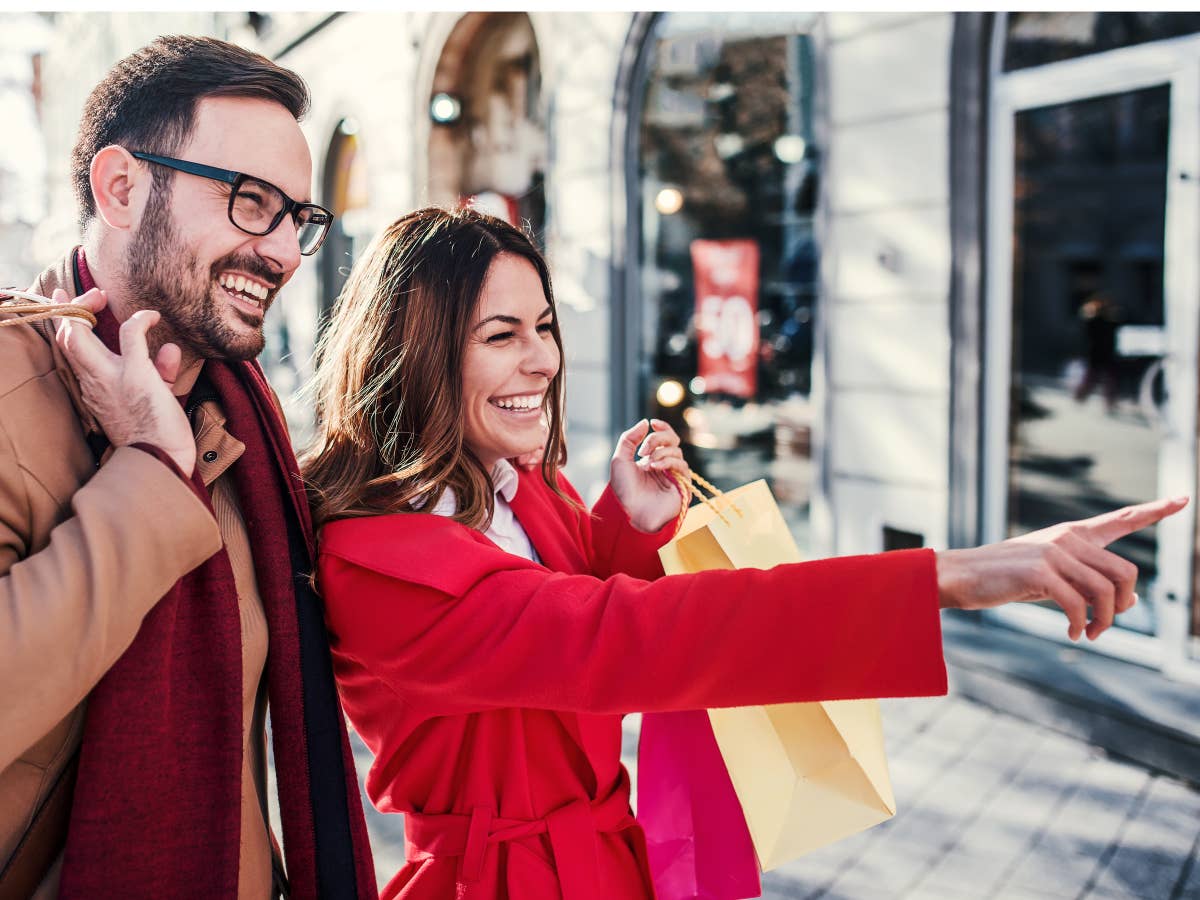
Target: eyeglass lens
(311, 232)
(256, 205)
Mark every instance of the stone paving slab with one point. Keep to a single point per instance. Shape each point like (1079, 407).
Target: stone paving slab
(1066, 852)
(990, 807)
(1162, 833)
(1052, 819)
(978, 859)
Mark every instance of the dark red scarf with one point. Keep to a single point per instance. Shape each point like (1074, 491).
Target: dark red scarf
(157, 807)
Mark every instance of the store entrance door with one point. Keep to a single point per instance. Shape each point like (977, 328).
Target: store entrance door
(1093, 312)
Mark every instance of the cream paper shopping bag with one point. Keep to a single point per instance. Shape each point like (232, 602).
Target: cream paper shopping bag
(806, 774)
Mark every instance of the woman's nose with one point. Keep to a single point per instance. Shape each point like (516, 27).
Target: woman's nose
(543, 358)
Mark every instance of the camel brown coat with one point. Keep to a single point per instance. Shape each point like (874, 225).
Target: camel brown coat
(85, 553)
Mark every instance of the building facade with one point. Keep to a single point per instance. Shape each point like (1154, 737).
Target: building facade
(932, 275)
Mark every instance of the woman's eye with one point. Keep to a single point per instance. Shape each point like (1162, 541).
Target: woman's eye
(499, 336)
(546, 328)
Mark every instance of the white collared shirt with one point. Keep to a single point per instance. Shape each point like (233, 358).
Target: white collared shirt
(504, 531)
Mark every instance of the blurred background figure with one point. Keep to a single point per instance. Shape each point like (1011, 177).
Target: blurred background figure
(1099, 319)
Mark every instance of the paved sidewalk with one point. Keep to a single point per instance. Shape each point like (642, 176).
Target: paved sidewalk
(990, 807)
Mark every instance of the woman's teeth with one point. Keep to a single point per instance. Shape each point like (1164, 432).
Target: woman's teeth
(240, 284)
(532, 401)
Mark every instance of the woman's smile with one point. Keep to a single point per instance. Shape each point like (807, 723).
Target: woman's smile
(519, 403)
(509, 363)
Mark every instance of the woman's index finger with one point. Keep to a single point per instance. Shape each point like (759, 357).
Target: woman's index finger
(1108, 527)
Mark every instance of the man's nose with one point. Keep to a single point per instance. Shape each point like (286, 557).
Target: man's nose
(281, 247)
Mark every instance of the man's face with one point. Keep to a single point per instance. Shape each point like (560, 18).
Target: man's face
(186, 259)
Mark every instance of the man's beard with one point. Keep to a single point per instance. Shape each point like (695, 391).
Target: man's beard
(162, 274)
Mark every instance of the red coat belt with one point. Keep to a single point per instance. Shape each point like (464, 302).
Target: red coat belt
(572, 831)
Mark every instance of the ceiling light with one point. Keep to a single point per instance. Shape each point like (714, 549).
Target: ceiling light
(445, 109)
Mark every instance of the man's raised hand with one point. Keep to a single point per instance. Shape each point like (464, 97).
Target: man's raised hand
(128, 393)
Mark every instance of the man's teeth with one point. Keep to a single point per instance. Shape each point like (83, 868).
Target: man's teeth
(243, 285)
(532, 401)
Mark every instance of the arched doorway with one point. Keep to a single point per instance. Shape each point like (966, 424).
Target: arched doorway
(487, 142)
(344, 187)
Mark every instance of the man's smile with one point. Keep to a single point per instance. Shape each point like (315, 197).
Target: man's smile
(249, 294)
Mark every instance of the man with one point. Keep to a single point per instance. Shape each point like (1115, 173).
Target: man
(154, 536)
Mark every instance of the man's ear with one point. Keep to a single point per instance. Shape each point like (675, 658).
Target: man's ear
(114, 175)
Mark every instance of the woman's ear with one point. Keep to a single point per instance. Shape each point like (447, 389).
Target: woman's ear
(114, 174)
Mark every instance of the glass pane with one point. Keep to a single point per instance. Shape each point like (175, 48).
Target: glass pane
(729, 176)
(1088, 326)
(1037, 38)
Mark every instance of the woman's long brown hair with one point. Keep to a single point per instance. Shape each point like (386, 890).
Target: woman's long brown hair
(388, 382)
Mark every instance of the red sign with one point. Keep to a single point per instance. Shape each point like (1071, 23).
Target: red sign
(727, 315)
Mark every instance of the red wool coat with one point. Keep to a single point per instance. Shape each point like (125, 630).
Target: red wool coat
(491, 688)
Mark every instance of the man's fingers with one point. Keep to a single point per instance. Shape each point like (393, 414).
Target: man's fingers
(133, 333)
(167, 362)
(94, 300)
(85, 352)
(1108, 527)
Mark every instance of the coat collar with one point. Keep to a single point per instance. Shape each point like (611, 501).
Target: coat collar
(63, 274)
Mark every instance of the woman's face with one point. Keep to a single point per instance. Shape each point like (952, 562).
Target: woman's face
(508, 364)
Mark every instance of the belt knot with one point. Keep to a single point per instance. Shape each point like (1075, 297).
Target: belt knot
(571, 829)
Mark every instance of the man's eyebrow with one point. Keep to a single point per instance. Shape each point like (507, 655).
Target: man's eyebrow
(511, 320)
(307, 194)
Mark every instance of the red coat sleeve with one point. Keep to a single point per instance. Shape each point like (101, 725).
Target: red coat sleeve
(455, 625)
(614, 546)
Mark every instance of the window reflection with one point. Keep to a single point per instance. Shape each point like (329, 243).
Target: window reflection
(729, 180)
(1037, 38)
(1088, 318)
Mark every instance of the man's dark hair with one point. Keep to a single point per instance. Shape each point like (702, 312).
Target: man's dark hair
(147, 101)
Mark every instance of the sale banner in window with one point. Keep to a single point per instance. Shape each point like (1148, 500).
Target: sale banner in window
(726, 274)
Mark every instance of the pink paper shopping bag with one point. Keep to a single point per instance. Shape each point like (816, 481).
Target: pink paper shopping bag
(696, 835)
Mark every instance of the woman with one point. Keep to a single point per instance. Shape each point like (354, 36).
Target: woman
(489, 632)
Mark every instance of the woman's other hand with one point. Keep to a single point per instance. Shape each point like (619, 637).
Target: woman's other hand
(532, 460)
(640, 474)
(1066, 563)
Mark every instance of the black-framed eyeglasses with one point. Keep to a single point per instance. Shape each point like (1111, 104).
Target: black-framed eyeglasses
(256, 206)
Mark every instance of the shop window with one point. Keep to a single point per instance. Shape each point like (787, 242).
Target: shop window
(1038, 38)
(728, 179)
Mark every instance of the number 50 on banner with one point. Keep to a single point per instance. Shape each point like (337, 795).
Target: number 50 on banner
(726, 278)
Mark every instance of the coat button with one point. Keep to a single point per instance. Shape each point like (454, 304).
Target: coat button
(210, 456)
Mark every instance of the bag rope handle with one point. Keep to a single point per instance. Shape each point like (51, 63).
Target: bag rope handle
(38, 309)
(687, 489)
